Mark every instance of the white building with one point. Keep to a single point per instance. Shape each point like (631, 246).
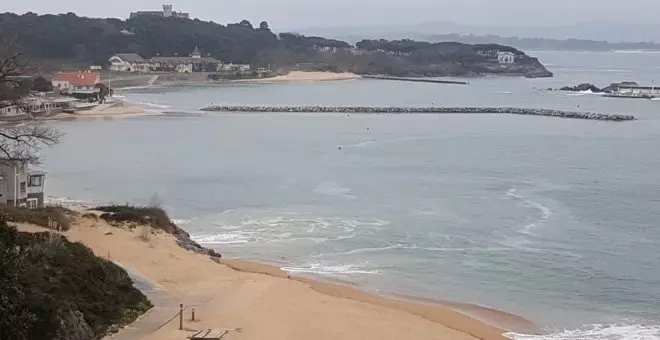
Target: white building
(506, 57)
(234, 67)
(20, 187)
(132, 62)
(129, 62)
(9, 110)
(167, 12)
(649, 91)
(77, 82)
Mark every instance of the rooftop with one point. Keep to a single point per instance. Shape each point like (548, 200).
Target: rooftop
(78, 78)
(179, 60)
(130, 57)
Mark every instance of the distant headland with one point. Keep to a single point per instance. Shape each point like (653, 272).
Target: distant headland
(58, 42)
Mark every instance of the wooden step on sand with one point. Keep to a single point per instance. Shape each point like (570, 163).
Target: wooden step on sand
(206, 334)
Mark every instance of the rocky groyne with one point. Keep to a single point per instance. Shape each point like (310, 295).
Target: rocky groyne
(420, 110)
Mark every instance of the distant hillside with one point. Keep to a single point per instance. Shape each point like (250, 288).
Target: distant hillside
(545, 44)
(67, 37)
(594, 34)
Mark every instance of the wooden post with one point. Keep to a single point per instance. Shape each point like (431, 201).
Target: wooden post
(181, 316)
(193, 314)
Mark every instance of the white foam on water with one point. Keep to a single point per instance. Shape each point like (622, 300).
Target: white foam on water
(546, 212)
(332, 270)
(68, 202)
(597, 332)
(285, 228)
(180, 222)
(228, 211)
(155, 105)
(404, 247)
(331, 188)
(224, 238)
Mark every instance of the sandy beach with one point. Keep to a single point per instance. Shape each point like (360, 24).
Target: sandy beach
(256, 301)
(99, 111)
(299, 76)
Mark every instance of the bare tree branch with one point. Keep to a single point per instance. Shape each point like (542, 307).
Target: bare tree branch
(20, 143)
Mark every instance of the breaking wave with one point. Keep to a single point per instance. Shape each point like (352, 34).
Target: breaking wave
(597, 332)
(285, 229)
(333, 270)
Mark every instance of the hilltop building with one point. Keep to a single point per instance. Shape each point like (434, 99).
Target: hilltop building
(506, 57)
(167, 12)
(501, 56)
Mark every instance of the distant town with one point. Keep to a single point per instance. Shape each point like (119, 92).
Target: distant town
(166, 44)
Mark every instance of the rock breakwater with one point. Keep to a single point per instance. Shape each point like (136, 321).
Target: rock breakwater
(419, 110)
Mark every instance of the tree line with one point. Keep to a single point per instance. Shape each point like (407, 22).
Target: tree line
(70, 37)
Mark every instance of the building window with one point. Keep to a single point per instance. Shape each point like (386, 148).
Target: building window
(35, 181)
(23, 187)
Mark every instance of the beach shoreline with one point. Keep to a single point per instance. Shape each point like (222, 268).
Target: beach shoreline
(305, 76)
(195, 279)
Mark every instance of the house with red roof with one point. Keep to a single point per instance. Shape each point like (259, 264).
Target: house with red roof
(82, 82)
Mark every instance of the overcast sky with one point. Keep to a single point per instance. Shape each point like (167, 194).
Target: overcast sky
(288, 14)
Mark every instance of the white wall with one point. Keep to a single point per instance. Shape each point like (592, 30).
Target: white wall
(11, 110)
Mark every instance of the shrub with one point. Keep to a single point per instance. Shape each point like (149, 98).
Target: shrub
(155, 217)
(43, 217)
(51, 288)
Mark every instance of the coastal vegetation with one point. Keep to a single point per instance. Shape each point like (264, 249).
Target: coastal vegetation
(67, 38)
(156, 218)
(51, 288)
(48, 217)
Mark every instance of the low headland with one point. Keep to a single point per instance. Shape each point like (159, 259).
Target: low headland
(420, 110)
(253, 300)
(256, 46)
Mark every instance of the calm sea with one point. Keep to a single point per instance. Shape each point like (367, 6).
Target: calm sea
(556, 220)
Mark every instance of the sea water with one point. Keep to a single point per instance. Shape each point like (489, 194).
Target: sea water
(552, 219)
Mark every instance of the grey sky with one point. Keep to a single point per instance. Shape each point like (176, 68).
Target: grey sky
(287, 14)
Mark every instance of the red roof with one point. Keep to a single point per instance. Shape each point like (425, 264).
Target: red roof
(79, 78)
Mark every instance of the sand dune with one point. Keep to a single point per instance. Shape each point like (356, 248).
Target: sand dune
(257, 301)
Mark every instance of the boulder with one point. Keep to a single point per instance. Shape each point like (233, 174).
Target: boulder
(582, 88)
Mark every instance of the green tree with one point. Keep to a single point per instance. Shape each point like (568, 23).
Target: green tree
(264, 26)
(104, 92)
(41, 84)
(246, 23)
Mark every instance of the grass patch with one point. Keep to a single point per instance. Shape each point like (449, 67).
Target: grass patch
(56, 218)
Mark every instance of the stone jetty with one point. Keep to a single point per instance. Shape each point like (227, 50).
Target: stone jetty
(419, 110)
